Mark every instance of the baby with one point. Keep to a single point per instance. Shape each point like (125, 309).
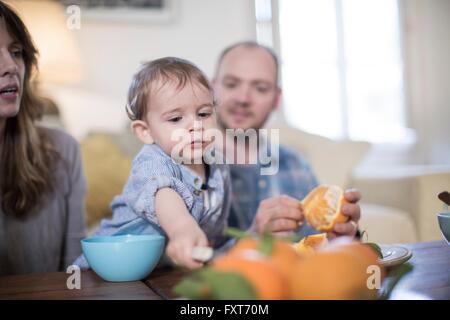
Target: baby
(175, 194)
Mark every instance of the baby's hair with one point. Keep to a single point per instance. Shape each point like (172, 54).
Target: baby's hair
(165, 70)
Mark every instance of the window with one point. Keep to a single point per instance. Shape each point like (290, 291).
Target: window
(342, 70)
(264, 22)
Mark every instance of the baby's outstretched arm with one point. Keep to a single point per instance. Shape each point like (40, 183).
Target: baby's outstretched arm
(181, 228)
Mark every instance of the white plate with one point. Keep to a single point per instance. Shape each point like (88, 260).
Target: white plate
(394, 255)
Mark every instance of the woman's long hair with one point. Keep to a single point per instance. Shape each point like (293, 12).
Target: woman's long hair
(28, 156)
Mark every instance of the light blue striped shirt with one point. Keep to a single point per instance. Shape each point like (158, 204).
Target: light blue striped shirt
(152, 169)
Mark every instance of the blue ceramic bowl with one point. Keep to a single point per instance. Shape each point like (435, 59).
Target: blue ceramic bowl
(444, 224)
(124, 257)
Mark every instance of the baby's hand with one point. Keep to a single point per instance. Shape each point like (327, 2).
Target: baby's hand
(181, 245)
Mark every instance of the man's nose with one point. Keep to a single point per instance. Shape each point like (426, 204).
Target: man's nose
(243, 96)
(7, 65)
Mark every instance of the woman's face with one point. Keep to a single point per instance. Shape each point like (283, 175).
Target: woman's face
(12, 72)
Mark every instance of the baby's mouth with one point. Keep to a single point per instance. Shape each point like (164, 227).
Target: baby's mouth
(197, 144)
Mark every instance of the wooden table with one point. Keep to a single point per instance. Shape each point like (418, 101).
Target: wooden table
(430, 279)
(53, 286)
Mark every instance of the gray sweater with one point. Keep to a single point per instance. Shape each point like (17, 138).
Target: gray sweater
(49, 239)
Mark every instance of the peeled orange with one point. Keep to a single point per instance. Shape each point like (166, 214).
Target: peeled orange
(322, 207)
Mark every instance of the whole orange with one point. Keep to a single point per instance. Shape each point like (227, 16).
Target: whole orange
(266, 279)
(282, 255)
(332, 275)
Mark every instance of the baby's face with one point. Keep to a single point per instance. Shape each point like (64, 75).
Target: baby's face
(178, 118)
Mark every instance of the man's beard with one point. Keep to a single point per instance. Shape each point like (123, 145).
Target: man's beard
(223, 125)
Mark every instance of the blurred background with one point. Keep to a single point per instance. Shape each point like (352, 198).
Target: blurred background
(366, 96)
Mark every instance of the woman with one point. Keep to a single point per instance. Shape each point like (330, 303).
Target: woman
(42, 186)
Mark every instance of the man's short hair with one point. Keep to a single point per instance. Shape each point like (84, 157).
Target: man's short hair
(250, 44)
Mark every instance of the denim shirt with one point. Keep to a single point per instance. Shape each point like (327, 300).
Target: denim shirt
(152, 169)
(294, 178)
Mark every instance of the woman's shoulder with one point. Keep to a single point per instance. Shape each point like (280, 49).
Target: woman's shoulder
(59, 136)
(66, 145)
(68, 170)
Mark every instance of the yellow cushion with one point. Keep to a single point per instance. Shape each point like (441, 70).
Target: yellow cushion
(106, 168)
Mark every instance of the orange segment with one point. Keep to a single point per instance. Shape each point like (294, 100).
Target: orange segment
(322, 207)
(311, 244)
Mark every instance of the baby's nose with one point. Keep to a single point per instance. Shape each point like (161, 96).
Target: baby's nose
(195, 125)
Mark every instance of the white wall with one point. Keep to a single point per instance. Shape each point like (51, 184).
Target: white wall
(427, 57)
(111, 53)
(199, 31)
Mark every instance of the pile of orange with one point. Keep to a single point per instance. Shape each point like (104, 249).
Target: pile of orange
(314, 268)
(335, 271)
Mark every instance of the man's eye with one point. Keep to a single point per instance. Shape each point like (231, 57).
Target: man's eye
(230, 85)
(262, 89)
(175, 119)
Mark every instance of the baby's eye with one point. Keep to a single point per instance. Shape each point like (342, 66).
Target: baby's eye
(204, 114)
(175, 119)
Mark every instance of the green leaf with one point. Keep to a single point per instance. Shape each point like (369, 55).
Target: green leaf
(266, 245)
(227, 285)
(192, 288)
(207, 283)
(364, 233)
(395, 276)
(294, 238)
(236, 233)
(375, 247)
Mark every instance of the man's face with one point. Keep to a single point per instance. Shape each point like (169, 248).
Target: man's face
(246, 89)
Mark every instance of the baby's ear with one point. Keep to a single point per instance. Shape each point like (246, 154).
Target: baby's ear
(141, 130)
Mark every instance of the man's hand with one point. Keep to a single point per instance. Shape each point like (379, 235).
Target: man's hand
(279, 215)
(352, 210)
